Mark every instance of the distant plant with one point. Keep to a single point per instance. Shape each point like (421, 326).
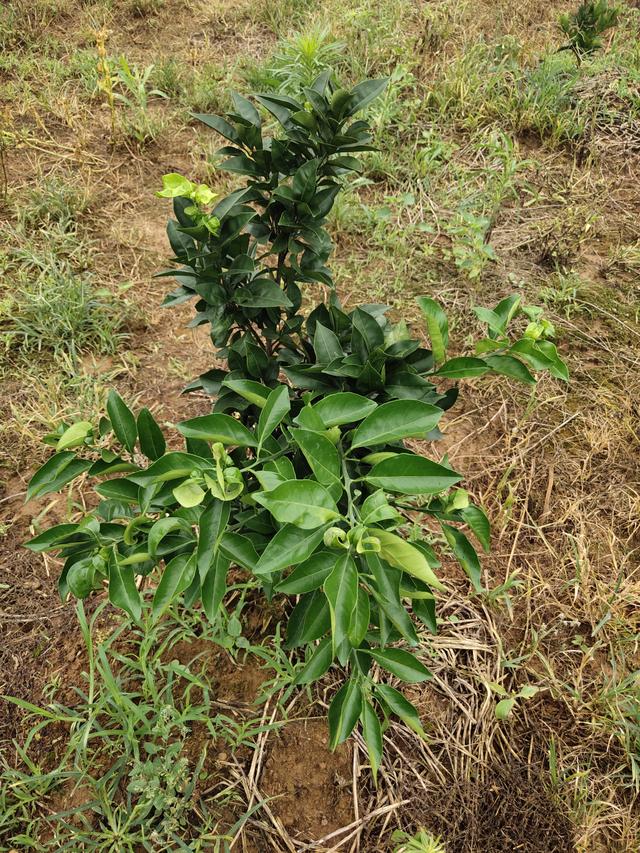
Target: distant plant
(585, 27)
(306, 484)
(470, 248)
(130, 86)
(299, 59)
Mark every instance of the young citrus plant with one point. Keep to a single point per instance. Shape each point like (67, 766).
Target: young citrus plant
(306, 484)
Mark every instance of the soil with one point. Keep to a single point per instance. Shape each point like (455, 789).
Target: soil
(311, 786)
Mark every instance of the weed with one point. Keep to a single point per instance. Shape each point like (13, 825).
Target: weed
(421, 842)
(56, 200)
(562, 291)
(145, 8)
(125, 779)
(132, 88)
(50, 301)
(281, 15)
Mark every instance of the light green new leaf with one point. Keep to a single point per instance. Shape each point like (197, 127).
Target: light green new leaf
(252, 391)
(504, 708)
(189, 494)
(301, 502)
(401, 554)
(75, 435)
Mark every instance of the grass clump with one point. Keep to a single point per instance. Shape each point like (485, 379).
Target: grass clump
(140, 729)
(51, 301)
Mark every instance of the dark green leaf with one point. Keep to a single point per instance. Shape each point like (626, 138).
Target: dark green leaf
(372, 734)
(479, 523)
(321, 455)
(317, 663)
(341, 590)
(412, 475)
(344, 712)
(175, 579)
(326, 345)
(301, 502)
(218, 427)
(275, 409)
(214, 586)
(122, 420)
(123, 591)
(212, 524)
(291, 545)
(239, 549)
(510, 366)
(387, 595)
(437, 326)
(343, 407)
(56, 473)
(309, 575)
(396, 420)
(465, 554)
(309, 620)
(463, 368)
(402, 664)
(401, 707)
(152, 441)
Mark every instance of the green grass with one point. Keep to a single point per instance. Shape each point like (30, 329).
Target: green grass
(51, 301)
(131, 775)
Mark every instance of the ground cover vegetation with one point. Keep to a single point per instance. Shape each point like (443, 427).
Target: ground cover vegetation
(291, 555)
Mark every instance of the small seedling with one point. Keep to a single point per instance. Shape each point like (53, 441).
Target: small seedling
(509, 701)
